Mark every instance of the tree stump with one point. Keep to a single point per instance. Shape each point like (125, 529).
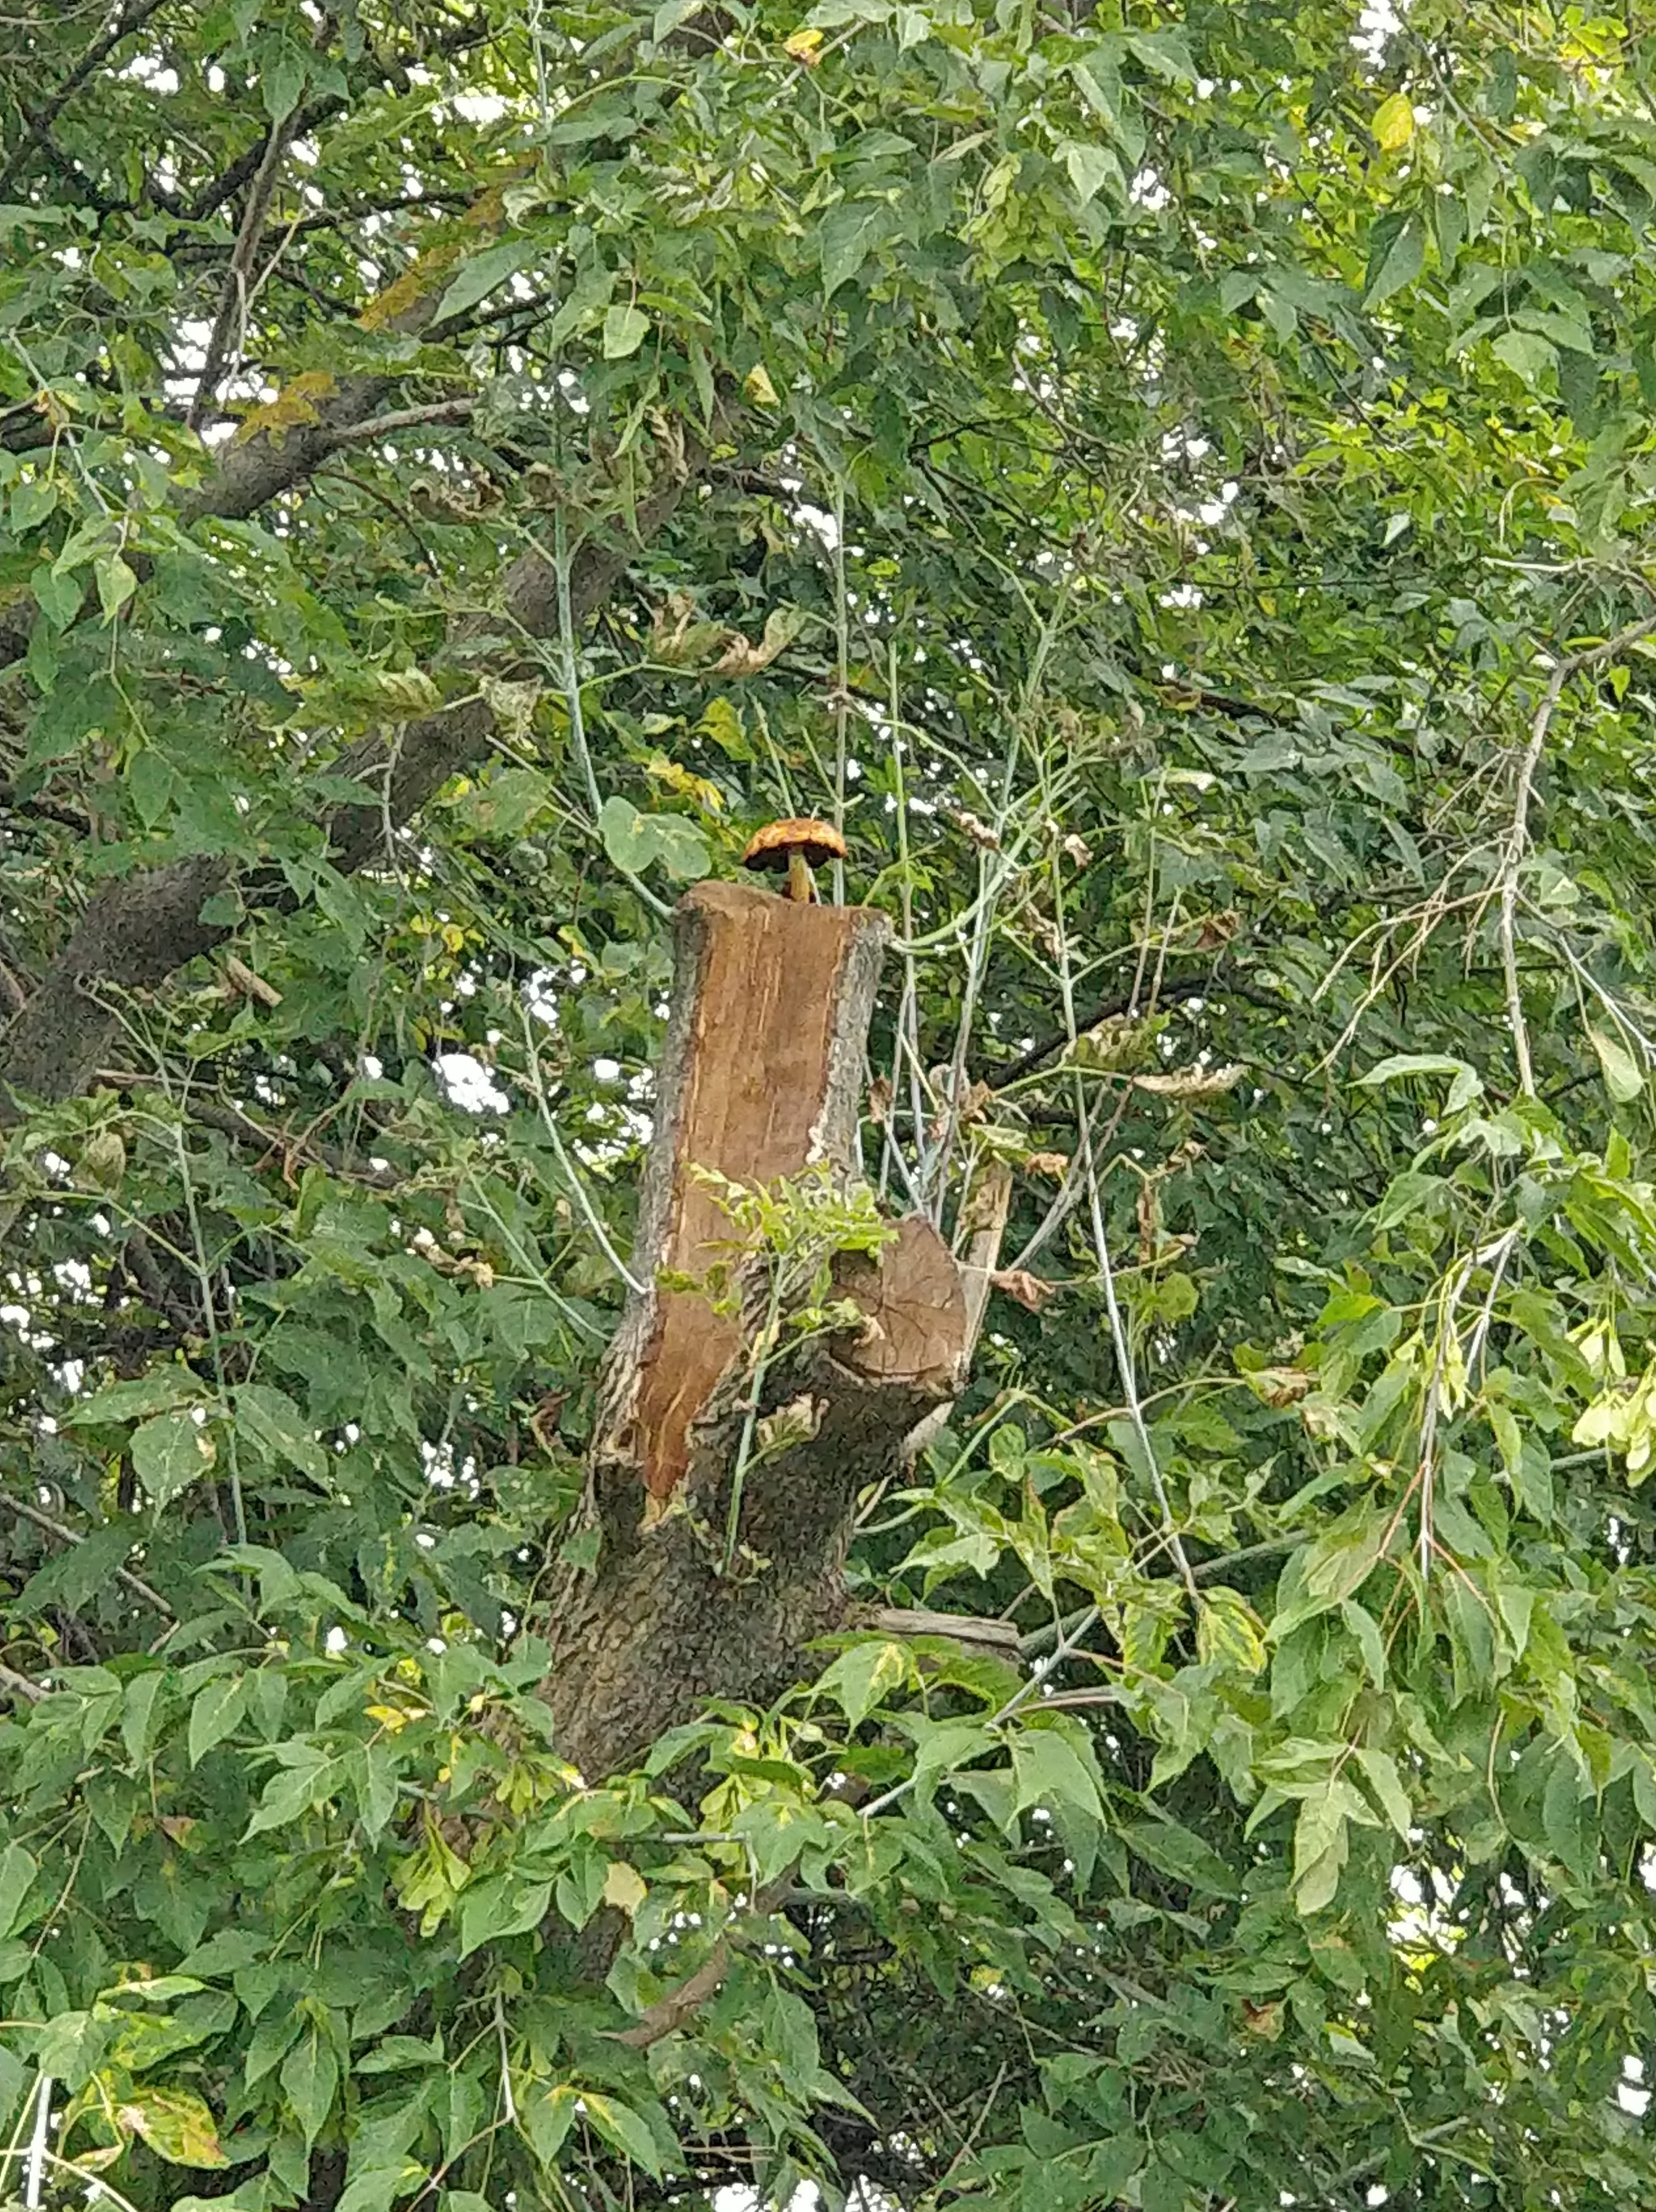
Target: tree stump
(760, 1077)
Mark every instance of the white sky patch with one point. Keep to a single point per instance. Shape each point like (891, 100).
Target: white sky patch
(469, 1084)
(151, 71)
(1631, 2092)
(820, 522)
(1378, 22)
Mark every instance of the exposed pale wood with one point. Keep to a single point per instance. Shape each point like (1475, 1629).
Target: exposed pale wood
(723, 1533)
(985, 1219)
(916, 1310)
(761, 1078)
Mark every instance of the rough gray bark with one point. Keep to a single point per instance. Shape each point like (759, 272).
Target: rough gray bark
(709, 1584)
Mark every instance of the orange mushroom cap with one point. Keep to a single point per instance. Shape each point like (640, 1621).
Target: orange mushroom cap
(775, 845)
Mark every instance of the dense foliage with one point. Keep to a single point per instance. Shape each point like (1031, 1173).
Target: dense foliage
(1176, 482)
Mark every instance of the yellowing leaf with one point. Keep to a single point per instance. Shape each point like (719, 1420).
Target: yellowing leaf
(708, 796)
(624, 1887)
(758, 385)
(294, 406)
(740, 658)
(1229, 1632)
(175, 2125)
(1394, 123)
(804, 44)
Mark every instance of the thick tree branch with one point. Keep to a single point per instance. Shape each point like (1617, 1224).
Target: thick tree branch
(19, 1685)
(137, 932)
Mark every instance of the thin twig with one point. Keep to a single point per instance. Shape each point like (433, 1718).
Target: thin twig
(1517, 837)
(589, 1213)
(228, 340)
(49, 1525)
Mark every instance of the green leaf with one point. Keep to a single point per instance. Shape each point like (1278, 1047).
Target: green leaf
(281, 80)
(1048, 1770)
(58, 595)
(1623, 1077)
(309, 2077)
(509, 1905)
(216, 1713)
(32, 503)
(1467, 1084)
(169, 1453)
(1369, 1642)
(1176, 1851)
(1380, 1769)
(625, 329)
(479, 274)
(1165, 53)
(116, 583)
(157, 1392)
(1092, 168)
(1321, 1840)
(381, 2187)
(1400, 265)
(18, 1870)
(78, 1573)
(636, 840)
(294, 1790)
(546, 2121)
(1527, 355)
(848, 235)
(860, 1678)
(623, 2127)
(271, 1419)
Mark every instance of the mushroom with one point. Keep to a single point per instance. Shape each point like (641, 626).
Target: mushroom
(797, 846)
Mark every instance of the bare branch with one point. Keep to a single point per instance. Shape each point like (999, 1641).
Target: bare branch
(228, 338)
(673, 2011)
(965, 1628)
(19, 1685)
(50, 1525)
(132, 17)
(405, 418)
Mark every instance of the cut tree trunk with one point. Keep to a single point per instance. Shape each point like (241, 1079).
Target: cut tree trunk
(712, 1577)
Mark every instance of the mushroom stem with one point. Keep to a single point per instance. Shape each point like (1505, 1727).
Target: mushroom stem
(801, 884)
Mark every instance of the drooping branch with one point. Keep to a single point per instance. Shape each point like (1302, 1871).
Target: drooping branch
(1517, 841)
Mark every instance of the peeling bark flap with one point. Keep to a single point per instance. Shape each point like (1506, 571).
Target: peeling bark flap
(770, 1071)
